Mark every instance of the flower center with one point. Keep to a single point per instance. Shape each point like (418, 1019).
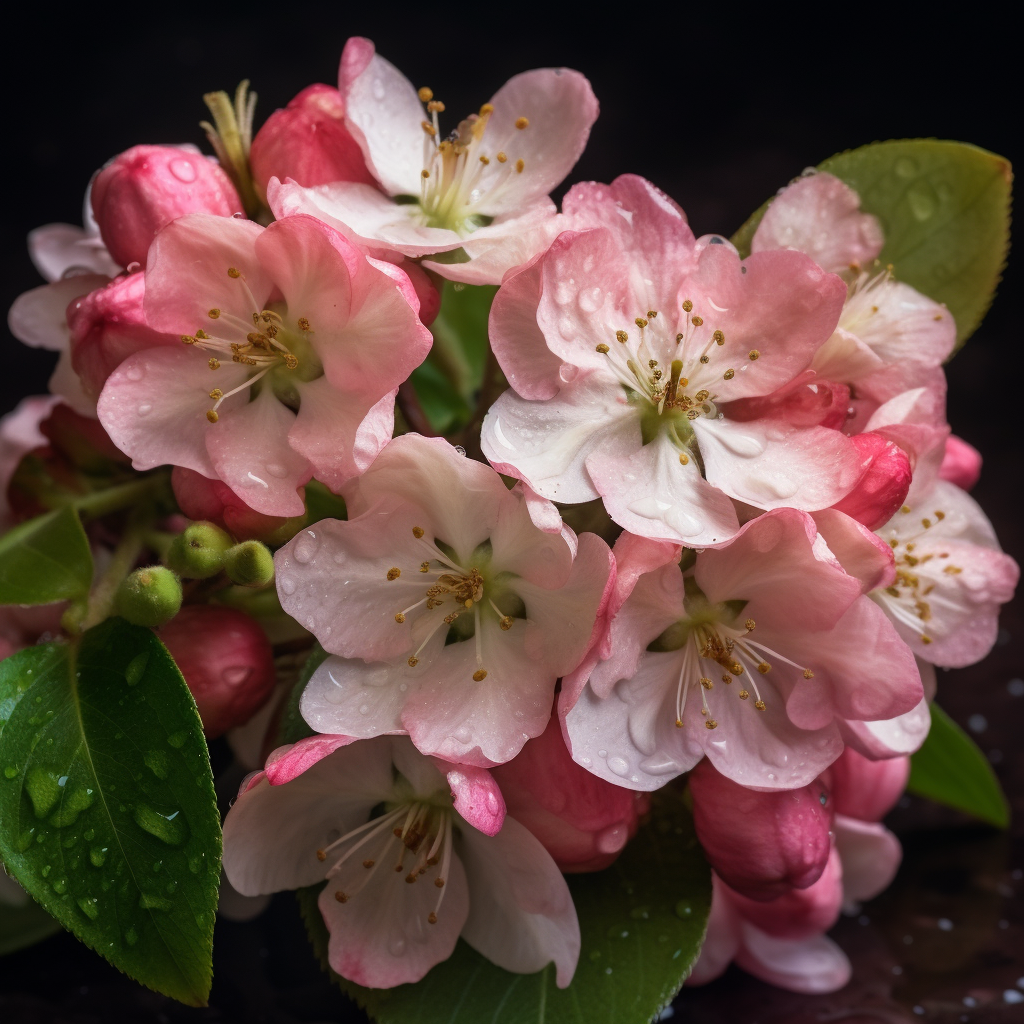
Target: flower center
(410, 840)
(671, 369)
(457, 180)
(909, 599)
(269, 342)
(452, 591)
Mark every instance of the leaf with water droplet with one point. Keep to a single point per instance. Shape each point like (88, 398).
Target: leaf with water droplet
(945, 210)
(84, 748)
(46, 559)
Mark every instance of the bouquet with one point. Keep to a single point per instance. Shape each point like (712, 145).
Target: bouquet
(570, 587)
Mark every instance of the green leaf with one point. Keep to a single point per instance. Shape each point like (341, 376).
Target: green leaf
(23, 924)
(642, 921)
(460, 336)
(443, 406)
(945, 211)
(44, 560)
(107, 810)
(950, 769)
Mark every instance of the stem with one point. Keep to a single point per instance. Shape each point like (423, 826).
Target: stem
(101, 601)
(100, 503)
(492, 385)
(409, 404)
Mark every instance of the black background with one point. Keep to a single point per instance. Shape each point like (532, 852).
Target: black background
(719, 105)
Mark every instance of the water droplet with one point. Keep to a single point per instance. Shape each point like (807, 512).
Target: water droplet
(89, 906)
(144, 409)
(364, 709)
(147, 901)
(923, 200)
(168, 828)
(595, 955)
(275, 469)
(463, 735)
(287, 585)
(236, 675)
(131, 936)
(136, 668)
(134, 372)
(602, 753)
(683, 909)
(396, 945)
(905, 167)
(43, 790)
(564, 293)
(640, 913)
(618, 765)
(11, 772)
(158, 763)
(590, 299)
(613, 838)
(89, 835)
(181, 167)
(60, 886)
(379, 92)
(98, 856)
(305, 547)
(177, 739)
(133, 267)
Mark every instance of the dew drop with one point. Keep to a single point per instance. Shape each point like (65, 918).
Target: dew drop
(182, 168)
(177, 739)
(590, 299)
(134, 372)
(640, 913)
(168, 828)
(275, 469)
(462, 734)
(396, 945)
(683, 909)
(158, 763)
(147, 901)
(905, 167)
(131, 936)
(613, 838)
(236, 675)
(136, 668)
(305, 547)
(89, 906)
(11, 771)
(98, 856)
(379, 92)
(144, 409)
(923, 200)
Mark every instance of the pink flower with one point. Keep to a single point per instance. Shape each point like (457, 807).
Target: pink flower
(226, 660)
(889, 338)
(632, 350)
(961, 463)
(883, 487)
(762, 844)
(451, 603)
(751, 653)
(476, 202)
(19, 434)
(440, 860)
(581, 820)
(866, 789)
(64, 250)
(308, 143)
(146, 187)
(951, 576)
(295, 345)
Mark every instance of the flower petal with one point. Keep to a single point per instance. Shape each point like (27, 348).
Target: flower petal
(809, 965)
(871, 856)
(358, 698)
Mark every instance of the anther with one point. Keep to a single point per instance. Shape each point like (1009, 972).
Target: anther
(232, 272)
(501, 157)
(697, 321)
(640, 322)
(759, 704)
(620, 336)
(486, 110)
(303, 324)
(683, 459)
(522, 122)
(341, 897)
(520, 164)
(424, 173)
(705, 359)
(188, 339)
(212, 416)
(431, 918)
(417, 532)
(428, 128)
(394, 572)
(743, 694)
(808, 674)
(321, 855)
(719, 338)
(368, 864)
(214, 364)
(399, 618)
(687, 306)
(651, 314)
(485, 160)
(439, 882)
(710, 724)
(753, 354)
(479, 675)
(435, 107)
(424, 567)
(764, 668)
(425, 93)
(729, 374)
(413, 661)
(706, 683)
(679, 723)
(213, 314)
(602, 348)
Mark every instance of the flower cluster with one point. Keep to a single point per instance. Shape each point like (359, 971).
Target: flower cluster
(784, 543)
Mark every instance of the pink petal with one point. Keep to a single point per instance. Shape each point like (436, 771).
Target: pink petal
(871, 856)
(821, 216)
(547, 444)
(531, 540)
(800, 965)
(861, 553)
(961, 463)
(288, 763)
(722, 941)
(867, 789)
(521, 914)
(364, 699)
(56, 249)
(249, 450)
(892, 738)
(37, 317)
(477, 797)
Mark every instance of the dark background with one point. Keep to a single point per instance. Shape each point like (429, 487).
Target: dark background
(720, 108)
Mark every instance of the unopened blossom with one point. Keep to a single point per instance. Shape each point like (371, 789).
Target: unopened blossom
(474, 201)
(632, 350)
(951, 576)
(452, 605)
(752, 654)
(961, 463)
(885, 483)
(582, 821)
(890, 337)
(415, 854)
(294, 344)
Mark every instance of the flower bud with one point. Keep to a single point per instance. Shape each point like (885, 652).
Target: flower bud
(581, 820)
(226, 660)
(146, 187)
(198, 552)
(249, 564)
(883, 487)
(308, 142)
(865, 789)
(149, 596)
(961, 463)
(108, 325)
(761, 844)
(214, 501)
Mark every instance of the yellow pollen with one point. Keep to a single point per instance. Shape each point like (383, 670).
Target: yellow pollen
(394, 572)
(620, 336)
(232, 272)
(759, 704)
(940, 515)
(684, 382)
(640, 322)
(399, 618)
(729, 374)
(435, 107)
(425, 93)
(341, 897)
(321, 855)
(431, 918)
(417, 532)
(520, 164)
(212, 416)
(602, 348)
(753, 354)
(428, 128)
(719, 338)
(486, 110)
(213, 314)
(749, 624)
(485, 160)
(303, 324)
(413, 661)
(651, 314)
(744, 694)
(501, 157)
(726, 678)
(505, 622)
(706, 683)
(905, 509)
(424, 173)
(424, 567)
(710, 724)
(368, 863)
(439, 882)
(687, 305)
(214, 364)
(188, 339)
(952, 570)
(697, 321)
(216, 393)
(925, 639)
(522, 122)
(764, 668)
(683, 459)
(479, 675)
(808, 674)
(679, 723)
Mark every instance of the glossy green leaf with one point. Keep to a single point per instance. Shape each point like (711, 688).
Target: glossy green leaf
(642, 921)
(44, 560)
(107, 810)
(950, 769)
(945, 211)
(22, 923)
(460, 335)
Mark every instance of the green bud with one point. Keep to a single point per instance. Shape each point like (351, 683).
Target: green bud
(149, 596)
(198, 553)
(249, 564)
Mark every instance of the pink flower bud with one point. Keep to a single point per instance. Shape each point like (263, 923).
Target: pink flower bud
(308, 142)
(226, 660)
(814, 402)
(582, 821)
(108, 325)
(147, 187)
(761, 844)
(865, 789)
(883, 487)
(200, 498)
(961, 463)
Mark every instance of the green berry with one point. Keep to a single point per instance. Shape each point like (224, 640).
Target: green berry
(198, 553)
(249, 564)
(149, 596)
